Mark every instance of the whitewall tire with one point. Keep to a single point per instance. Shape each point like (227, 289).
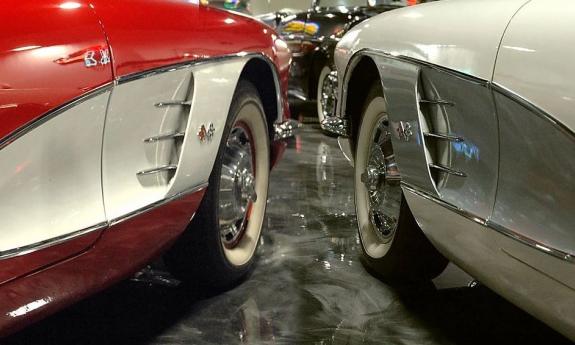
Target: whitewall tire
(393, 246)
(219, 246)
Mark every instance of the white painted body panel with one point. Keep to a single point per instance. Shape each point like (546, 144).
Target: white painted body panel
(479, 251)
(214, 87)
(536, 58)
(50, 184)
(133, 117)
(462, 35)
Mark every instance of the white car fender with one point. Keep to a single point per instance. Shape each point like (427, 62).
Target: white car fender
(462, 35)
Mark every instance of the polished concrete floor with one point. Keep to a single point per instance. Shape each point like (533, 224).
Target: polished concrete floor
(308, 286)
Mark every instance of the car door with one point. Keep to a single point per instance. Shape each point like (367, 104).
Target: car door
(55, 77)
(535, 94)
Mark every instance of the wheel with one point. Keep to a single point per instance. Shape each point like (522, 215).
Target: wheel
(393, 246)
(326, 93)
(218, 248)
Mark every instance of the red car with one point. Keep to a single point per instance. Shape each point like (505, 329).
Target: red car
(131, 129)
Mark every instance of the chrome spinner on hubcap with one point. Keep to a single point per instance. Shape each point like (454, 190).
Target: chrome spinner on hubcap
(237, 187)
(382, 180)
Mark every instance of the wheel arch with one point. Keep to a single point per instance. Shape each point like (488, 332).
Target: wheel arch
(361, 74)
(263, 75)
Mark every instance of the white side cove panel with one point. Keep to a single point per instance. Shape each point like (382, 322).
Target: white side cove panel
(151, 146)
(536, 58)
(214, 86)
(50, 184)
(133, 116)
(462, 35)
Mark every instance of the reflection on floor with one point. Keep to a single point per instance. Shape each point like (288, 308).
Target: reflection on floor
(308, 286)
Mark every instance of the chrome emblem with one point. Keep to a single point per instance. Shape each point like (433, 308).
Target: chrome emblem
(206, 133)
(404, 131)
(93, 58)
(90, 60)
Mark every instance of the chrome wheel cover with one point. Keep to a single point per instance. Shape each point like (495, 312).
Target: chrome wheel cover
(237, 186)
(328, 94)
(382, 181)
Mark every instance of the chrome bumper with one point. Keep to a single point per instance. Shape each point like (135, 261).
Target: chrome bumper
(286, 129)
(335, 125)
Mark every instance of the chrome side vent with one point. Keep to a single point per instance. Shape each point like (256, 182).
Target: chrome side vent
(447, 170)
(436, 102)
(167, 144)
(437, 134)
(173, 104)
(158, 170)
(174, 135)
(442, 136)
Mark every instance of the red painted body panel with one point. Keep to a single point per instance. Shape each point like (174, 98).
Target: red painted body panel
(22, 265)
(123, 249)
(160, 33)
(41, 63)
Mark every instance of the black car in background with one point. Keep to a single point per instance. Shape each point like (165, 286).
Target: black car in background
(312, 36)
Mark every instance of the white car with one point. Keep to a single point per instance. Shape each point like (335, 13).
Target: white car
(458, 117)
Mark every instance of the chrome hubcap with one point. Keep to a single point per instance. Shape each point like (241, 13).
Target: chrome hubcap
(328, 94)
(382, 181)
(237, 187)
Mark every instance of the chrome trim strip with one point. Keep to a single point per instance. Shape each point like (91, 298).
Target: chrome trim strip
(442, 136)
(341, 112)
(447, 170)
(436, 102)
(157, 170)
(493, 226)
(170, 68)
(198, 62)
(531, 243)
(166, 136)
(447, 205)
(173, 103)
(11, 253)
(533, 108)
(158, 204)
(10, 138)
